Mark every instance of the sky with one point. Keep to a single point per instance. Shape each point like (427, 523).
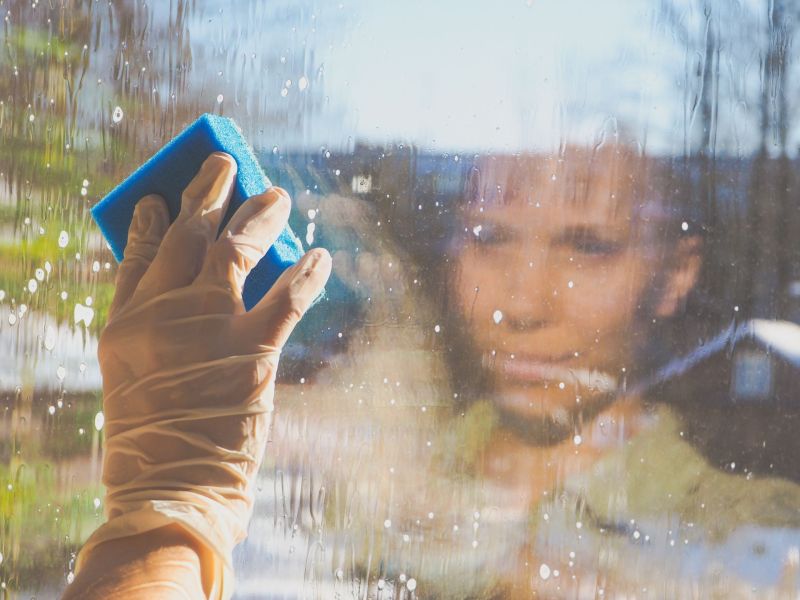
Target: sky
(479, 74)
(473, 75)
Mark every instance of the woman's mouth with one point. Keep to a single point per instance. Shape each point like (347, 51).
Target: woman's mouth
(552, 370)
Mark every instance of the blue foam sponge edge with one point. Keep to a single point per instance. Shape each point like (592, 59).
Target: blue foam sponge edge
(171, 169)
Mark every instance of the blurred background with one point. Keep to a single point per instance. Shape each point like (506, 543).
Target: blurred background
(376, 117)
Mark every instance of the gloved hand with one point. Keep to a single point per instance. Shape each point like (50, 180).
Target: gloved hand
(188, 375)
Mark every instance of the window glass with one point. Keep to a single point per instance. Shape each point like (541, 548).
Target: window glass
(559, 351)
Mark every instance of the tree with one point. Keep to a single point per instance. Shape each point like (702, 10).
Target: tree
(738, 54)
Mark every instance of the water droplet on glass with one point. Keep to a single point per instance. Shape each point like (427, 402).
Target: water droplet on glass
(477, 230)
(83, 314)
(96, 501)
(99, 421)
(312, 213)
(51, 409)
(577, 440)
(220, 98)
(61, 372)
(39, 274)
(411, 584)
(684, 226)
(544, 571)
(50, 338)
(302, 83)
(63, 239)
(497, 316)
(437, 328)
(310, 233)
(116, 116)
(32, 286)
(387, 523)
(31, 118)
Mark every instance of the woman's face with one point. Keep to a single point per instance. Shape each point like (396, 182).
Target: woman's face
(556, 281)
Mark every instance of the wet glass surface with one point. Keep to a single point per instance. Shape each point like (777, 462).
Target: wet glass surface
(559, 351)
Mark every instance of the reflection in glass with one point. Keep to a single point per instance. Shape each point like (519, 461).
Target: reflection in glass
(559, 352)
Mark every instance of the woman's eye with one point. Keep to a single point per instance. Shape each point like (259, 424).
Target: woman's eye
(488, 235)
(596, 247)
(589, 245)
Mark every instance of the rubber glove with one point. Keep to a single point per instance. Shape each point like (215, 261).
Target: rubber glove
(188, 375)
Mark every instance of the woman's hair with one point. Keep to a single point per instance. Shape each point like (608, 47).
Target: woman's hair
(656, 189)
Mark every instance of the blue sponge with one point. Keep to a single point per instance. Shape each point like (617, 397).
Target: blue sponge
(171, 169)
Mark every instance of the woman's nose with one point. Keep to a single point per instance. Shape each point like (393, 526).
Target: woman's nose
(529, 296)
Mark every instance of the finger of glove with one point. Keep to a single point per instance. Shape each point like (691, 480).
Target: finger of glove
(248, 236)
(184, 248)
(148, 227)
(271, 322)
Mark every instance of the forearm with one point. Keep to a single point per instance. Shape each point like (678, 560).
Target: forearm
(163, 564)
(186, 424)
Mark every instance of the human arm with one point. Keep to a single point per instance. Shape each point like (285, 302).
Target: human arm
(164, 563)
(188, 383)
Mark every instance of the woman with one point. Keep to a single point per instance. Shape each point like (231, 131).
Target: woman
(567, 265)
(527, 463)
